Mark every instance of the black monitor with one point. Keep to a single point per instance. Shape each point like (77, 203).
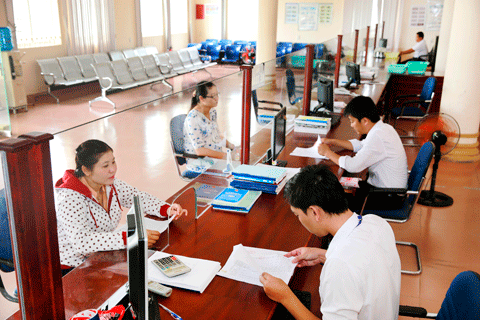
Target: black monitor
(277, 138)
(324, 97)
(353, 74)
(137, 258)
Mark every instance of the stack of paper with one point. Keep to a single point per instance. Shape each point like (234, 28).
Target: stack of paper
(246, 264)
(268, 179)
(202, 273)
(237, 200)
(310, 124)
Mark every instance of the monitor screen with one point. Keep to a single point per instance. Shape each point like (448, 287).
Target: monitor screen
(325, 95)
(353, 74)
(278, 134)
(137, 243)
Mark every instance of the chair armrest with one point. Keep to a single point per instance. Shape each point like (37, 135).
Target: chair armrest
(413, 312)
(270, 102)
(8, 263)
(191, 156)
(402, 96)
(45, 75)
(207, 58)
(389, 190)
(414, 101)
(108, 86)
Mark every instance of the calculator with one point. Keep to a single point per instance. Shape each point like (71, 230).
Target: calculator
(171, 266)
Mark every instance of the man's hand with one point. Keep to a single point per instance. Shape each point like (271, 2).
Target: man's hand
(275, 288)
(176, 210)
(306, 256)
(153, 237)
(323, 149)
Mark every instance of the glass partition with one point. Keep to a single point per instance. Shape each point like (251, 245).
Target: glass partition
(5, 127)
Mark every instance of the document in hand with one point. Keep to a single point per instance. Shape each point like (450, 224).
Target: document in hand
(157, 225)
(311, 152)
(202, 273)
(246, 264)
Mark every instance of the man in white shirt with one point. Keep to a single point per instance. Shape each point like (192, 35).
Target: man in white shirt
(361, 275)
(420, 50)
(381, 151)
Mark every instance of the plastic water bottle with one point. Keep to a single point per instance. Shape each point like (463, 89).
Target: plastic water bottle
(6, 39)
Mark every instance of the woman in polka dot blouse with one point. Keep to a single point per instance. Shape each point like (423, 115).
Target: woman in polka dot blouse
(201, 133)
(89, 203)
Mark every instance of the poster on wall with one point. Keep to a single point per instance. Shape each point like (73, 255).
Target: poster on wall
(291, 13)
(308, 17)
(200, 11)
(434, 15)
(211, 9)
(417, 16)
(325, 13)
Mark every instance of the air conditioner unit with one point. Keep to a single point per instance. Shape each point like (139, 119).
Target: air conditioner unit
(15, 86)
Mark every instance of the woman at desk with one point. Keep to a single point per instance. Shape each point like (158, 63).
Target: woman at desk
(89, 203)
(201, 133)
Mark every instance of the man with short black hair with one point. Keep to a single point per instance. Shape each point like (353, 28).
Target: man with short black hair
(361, 276)
(381, 151)
(420, 50)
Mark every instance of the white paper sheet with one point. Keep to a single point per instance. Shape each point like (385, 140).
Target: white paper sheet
(157, 225)
(246, 264)
(311, 152)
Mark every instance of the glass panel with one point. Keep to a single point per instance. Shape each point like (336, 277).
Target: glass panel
(5, 127)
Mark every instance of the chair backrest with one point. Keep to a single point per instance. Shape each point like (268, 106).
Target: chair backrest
(86, 61)
(104, 70)
(51, 66)
(420, 167)
(213, 50)
(70, 67)
(175, 60)
(164, 62)
(205, 44)
(224, 43)
(6, 252)
(280, 51)
(432, 56)
(151, 50)
(141, 51)
(214, 41)
(232, 52)
(101, 57)
(176, 134)
(151, 67)
(129, 53)
(291, 86)
(462, 300)
(116, 55)
(185, 58)
(255, 103)
(194, 55)
(122, 72)
(428, 89)
(298, 46)
(137, 69)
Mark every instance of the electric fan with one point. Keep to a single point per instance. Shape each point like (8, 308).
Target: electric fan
(444, 132)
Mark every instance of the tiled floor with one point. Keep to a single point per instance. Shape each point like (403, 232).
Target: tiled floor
(447, 237)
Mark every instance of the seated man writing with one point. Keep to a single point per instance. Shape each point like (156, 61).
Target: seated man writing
(381, 152)
(360, 278)
(420, 50)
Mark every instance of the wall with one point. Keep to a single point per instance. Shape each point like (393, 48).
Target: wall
(290, 33)
(125, 25)
(208, 28)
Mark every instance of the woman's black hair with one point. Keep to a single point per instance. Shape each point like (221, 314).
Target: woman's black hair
(88, 153)
(201, 91)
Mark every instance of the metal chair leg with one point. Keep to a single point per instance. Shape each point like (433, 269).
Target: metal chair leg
(49, 91)
(417, 254)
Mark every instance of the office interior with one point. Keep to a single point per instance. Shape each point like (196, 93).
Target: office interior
(138, 131)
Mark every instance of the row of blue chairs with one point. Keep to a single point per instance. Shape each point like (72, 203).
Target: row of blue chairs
(224, 51)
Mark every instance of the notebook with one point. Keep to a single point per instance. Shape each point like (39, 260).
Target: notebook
(259, 173)
(237, 200)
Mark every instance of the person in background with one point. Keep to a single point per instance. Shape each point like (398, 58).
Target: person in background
(361, 275)
(89, 203)
(381, 151)
(420, 50)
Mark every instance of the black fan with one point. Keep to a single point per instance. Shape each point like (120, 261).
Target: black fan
(444, 132)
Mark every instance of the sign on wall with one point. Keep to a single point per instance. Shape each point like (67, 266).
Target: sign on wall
(291, 13)
(325, 13)
(434, 15)
(211, 9)
(417, 16)
(308, 17)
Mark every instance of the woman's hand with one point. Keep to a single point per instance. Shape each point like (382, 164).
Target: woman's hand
(176, 210)
(153, 237)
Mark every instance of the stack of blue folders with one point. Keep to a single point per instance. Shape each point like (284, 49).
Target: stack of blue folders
(268, 179)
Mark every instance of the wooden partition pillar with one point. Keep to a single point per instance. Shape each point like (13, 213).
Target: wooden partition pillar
(355, 47)
(338, 58)
(366, 45)
(383, 29)
(375, 39)
(246, 110)
(307, 83)
(33, 225)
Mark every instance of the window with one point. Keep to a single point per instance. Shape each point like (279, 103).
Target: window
(152, 18)
(242, 20)
(179, 16)
(37, 23)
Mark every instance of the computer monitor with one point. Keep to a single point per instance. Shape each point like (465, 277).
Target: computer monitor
(324, 97)
(277, 138)
(353, 74)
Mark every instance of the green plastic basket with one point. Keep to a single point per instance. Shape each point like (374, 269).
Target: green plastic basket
(397, 68)
(298, 61)
(417, 67)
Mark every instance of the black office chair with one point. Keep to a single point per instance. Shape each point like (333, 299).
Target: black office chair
(292, 89)
(416, 180)
(256, 105)
(177, 143)
(6, 253)
(462, 300)
(431, 57)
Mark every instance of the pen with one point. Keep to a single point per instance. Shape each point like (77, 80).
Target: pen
(173, 314)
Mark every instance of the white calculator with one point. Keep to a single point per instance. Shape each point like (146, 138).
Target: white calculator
(171, 266)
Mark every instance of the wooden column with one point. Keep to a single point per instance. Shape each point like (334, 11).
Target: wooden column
(307, 84)
(366, 45)
(375, 39)
(33, 225)
(355, 47)
(246, 109)
(338, 57)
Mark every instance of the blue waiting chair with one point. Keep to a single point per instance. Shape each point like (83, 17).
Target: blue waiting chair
(319, 50)
(415, 183)
(232, 54)
(6, 252)
(292, 89)
(178, 148)
(214, 41)
(242, 44)
(418, 107)
(196, 45)
(213, 51)
(224, 43)
(298, 46)
(280, 56)
(462, 300)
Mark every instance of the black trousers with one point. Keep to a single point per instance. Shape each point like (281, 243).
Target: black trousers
(375, 200)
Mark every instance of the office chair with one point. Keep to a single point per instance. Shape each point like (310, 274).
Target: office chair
(256, 106)
(292, 89)
(431, 57)
(462, 300)
(177, 142)
(415, 183)
(6, 253)
(415, 109)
